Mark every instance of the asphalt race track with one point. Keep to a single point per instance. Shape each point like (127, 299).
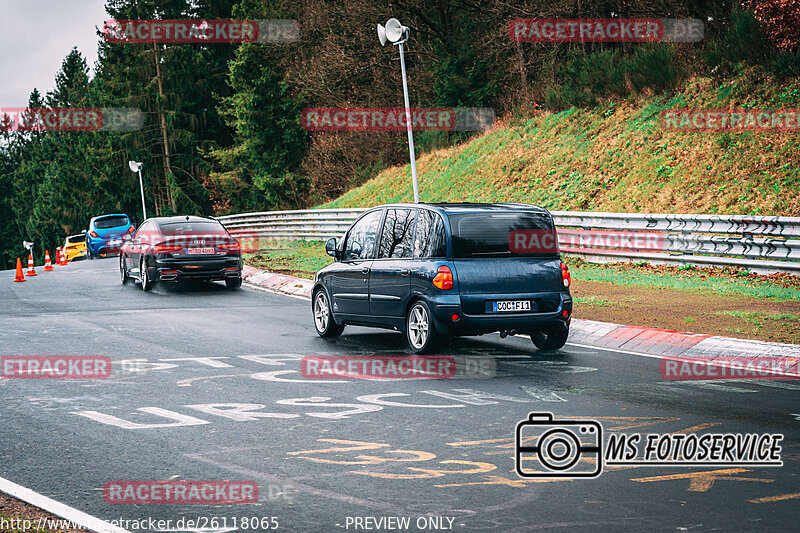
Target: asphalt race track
(326, 452)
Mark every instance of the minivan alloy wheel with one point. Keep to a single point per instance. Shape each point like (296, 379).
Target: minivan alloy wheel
(418, 326)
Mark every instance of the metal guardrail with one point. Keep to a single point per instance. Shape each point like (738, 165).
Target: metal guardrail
(760, 244)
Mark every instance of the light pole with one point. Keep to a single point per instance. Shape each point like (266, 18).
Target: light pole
(136, 166)
(397, 34)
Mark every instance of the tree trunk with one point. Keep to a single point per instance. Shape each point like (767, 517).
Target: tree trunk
(167, 165)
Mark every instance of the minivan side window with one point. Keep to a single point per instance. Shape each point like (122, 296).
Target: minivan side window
(430, 240)
(398, 232)
(360, 242)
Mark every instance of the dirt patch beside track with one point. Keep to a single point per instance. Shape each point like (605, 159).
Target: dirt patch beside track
(708, 312)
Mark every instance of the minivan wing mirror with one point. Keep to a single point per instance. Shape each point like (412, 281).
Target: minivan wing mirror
(330, 248)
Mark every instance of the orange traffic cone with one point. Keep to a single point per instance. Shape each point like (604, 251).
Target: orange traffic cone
(47, 265)
(58, 262)
(63, 257)
(31, 271)
(20, 275)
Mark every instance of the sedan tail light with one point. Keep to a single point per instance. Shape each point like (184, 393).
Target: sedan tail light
(565, 276)
(165, 248)
(229, 247)
(444, 278)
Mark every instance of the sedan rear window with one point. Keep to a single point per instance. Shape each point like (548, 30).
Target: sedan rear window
(494, 234)
(191, 228)
(111, 222)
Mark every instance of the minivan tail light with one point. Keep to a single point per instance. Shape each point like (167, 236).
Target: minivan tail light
(165, 248)
(444, 278)
(565, 276)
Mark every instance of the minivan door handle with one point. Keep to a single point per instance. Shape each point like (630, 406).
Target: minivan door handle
(365, 270)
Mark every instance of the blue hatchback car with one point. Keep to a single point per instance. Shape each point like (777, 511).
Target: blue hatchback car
(107, 233)
(438, 270)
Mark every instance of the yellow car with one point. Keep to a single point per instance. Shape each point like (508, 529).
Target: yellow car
(75, 246)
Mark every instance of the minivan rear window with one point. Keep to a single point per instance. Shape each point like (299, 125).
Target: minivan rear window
(111, 222)
(492, 234)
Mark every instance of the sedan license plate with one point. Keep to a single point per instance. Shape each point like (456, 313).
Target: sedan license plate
(199, 251)
(511, 306)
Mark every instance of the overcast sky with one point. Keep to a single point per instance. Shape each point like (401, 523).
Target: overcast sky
(35, 38)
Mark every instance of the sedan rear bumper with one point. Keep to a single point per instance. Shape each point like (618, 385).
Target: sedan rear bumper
(218, 269)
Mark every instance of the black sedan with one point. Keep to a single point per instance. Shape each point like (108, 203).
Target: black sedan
(181, 248)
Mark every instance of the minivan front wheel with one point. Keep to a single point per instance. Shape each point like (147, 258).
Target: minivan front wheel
(324, 323)
(420, 329)
(550, 338)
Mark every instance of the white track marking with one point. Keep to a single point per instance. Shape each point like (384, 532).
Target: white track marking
(59, 509)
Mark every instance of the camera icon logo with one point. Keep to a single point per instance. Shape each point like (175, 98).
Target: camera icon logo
(547, 448)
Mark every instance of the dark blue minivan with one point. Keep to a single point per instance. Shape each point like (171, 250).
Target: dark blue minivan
(438, 270)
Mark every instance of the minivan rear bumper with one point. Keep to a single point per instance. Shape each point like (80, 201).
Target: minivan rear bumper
(443, 312)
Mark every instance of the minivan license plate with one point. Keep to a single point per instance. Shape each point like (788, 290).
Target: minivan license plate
(511, 306)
